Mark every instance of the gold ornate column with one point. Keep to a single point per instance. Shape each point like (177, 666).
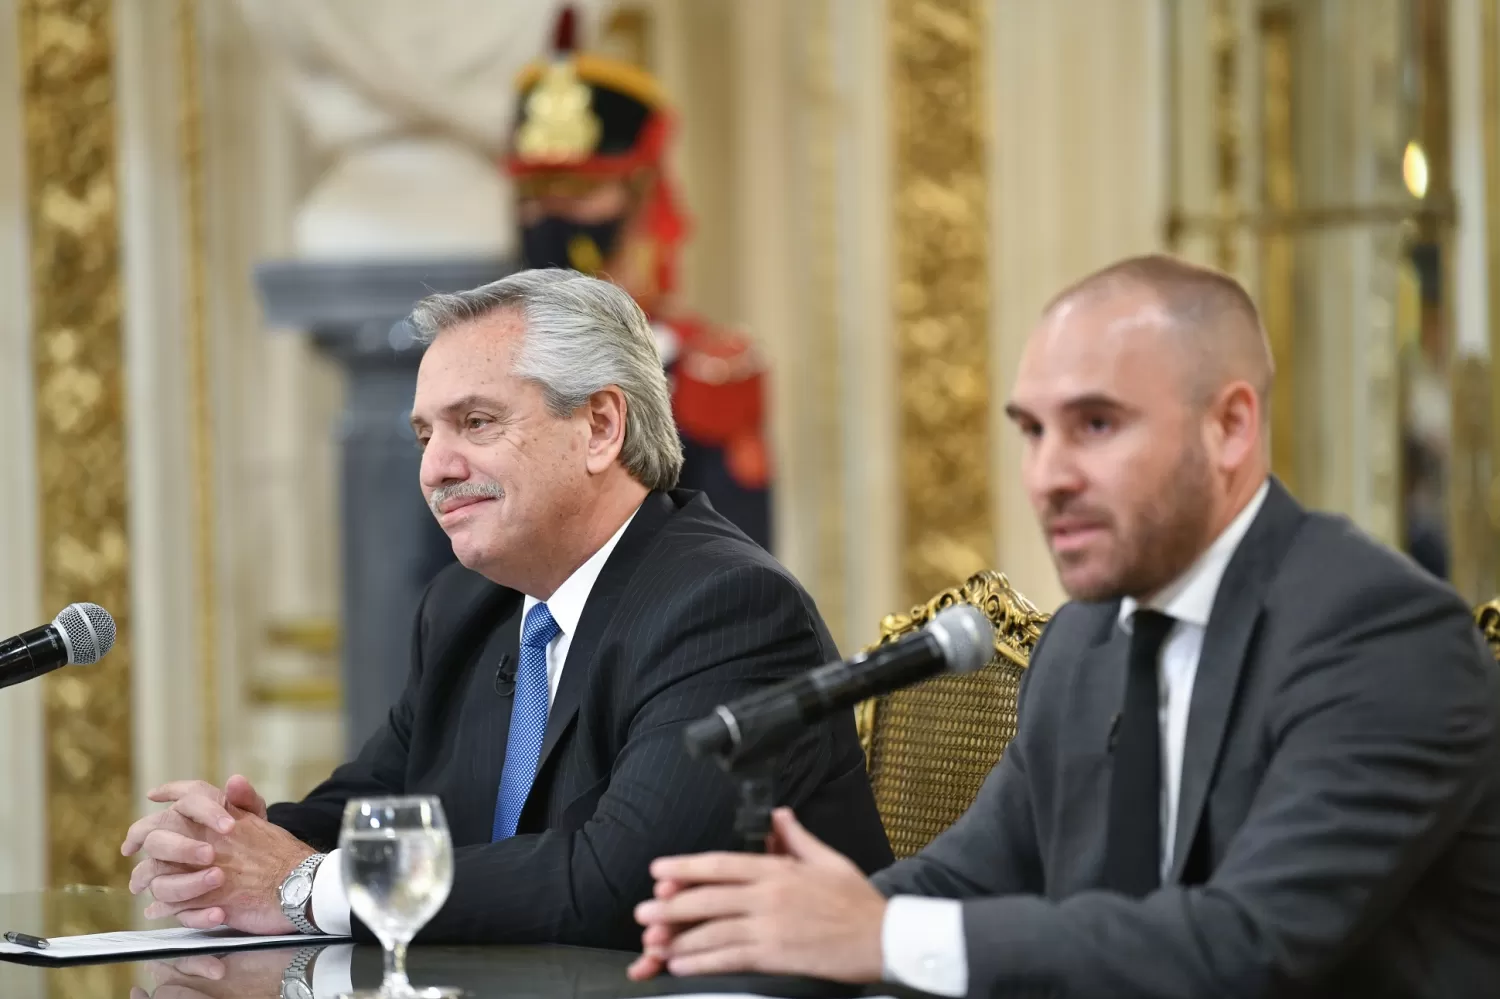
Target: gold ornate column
(68, 93)
(940, 127)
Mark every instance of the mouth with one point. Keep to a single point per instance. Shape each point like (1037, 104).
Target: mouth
(1066, 537)
(452, 506)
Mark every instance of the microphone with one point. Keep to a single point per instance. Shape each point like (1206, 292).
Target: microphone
(959, 639)
(80, 635)
(505, 676)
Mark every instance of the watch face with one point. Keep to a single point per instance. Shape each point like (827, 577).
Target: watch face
(296, 890)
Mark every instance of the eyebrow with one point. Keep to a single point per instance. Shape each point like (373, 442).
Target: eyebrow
(1090, 400)
(467, 402)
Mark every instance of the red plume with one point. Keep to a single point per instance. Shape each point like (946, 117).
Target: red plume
(565, 40)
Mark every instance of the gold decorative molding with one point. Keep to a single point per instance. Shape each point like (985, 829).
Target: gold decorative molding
(940, 166)
(190, 152)
(69, 102)
(314, 693)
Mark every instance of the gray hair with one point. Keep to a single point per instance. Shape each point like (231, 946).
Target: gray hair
(582, 334)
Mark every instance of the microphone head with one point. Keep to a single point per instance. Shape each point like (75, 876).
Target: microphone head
(87, 631)
(965, 635)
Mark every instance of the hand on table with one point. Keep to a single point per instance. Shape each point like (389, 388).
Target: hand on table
(249, 974)
(212, 858)
(807, 912)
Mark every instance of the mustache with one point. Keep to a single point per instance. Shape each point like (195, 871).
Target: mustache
(462, 490)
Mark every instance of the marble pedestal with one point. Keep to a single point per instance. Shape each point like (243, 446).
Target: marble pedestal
(390, 544)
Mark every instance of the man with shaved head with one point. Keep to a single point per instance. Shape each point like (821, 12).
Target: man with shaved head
(1258, 753)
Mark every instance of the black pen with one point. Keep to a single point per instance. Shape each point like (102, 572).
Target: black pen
(27, 940)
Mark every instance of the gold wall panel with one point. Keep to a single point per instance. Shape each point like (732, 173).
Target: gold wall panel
(190, 151)
(1278, 252)
(69, 97)
(1488, 493)
(1226, 119)
(822, 129)
(940, 169)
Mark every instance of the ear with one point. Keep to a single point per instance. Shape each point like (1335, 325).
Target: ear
(605, 411)
(1234, 425)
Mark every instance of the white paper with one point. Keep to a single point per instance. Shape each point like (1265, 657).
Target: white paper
(177, 939)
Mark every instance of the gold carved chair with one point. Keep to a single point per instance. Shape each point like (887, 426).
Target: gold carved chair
(1487, 616)
(929, 747)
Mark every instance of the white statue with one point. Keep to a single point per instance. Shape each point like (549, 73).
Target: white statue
(411, 102)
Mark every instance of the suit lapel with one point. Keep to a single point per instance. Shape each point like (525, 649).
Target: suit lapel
(473, 815)
(1098, 688)
(597, 612)
(1226, 644)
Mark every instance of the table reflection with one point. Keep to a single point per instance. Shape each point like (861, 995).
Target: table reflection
(321, 970)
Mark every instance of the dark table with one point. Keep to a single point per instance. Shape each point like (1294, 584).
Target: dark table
(522, 972)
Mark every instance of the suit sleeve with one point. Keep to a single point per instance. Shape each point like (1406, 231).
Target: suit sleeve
(992, 848)
(1381, 737)
(737, 631)
(379, 769)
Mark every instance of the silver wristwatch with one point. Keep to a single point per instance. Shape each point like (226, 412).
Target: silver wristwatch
(295, 981)
(296, 892)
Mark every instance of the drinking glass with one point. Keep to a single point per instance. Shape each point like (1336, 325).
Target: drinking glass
(398, 869)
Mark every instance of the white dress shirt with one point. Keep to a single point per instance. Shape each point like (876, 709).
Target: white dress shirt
(330, 902)
(922, 939)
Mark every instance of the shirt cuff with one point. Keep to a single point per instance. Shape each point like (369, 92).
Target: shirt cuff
(333, 974)
(922, 945)
(330, 903)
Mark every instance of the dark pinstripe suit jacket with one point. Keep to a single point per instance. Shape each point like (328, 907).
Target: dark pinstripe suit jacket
(687, 613)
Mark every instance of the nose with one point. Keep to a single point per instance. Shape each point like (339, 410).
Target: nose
(1050, 470)
(442, 463)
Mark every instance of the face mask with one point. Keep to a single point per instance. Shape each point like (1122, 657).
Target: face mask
(560, 242)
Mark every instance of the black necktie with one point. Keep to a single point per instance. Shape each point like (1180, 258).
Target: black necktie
(1132, 855)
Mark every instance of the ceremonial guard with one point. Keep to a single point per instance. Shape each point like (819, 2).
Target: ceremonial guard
(589, 159)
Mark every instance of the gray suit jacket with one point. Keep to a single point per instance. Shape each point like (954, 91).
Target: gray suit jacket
(1339, 822)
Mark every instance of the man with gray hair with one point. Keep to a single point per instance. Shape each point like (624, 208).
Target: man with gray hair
(595, 612)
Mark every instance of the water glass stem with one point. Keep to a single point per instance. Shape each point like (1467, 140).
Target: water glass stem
(396, 983)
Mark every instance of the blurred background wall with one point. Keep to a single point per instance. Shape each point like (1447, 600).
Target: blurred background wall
(212, 213)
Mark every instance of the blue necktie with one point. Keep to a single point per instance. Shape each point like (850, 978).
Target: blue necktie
(528, 721)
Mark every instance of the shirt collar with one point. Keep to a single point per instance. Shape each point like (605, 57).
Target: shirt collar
(1190, 597)
(567, 601)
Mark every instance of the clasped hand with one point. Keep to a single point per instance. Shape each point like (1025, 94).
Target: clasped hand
(212, 859)
(247, 974)
(807, 910)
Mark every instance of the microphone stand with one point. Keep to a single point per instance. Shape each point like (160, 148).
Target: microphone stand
(752, 819)
(755, 775)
